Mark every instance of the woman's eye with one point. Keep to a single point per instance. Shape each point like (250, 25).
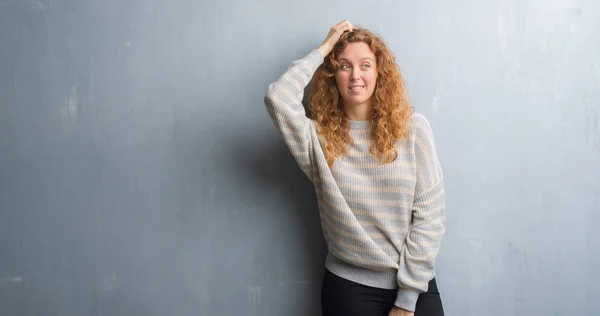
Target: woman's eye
(366, 66)
(345, 66)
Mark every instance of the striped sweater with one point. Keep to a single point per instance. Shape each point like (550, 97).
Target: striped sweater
(383, 223)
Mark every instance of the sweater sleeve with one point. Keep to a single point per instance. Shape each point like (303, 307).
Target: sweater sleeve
(421, 247)
(284, 105)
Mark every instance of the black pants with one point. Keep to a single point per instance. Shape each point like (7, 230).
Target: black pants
(341, 297)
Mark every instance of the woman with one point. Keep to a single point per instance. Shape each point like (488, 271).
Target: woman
(376, 173)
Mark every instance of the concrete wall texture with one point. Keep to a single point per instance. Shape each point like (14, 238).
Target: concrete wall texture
(140, 173)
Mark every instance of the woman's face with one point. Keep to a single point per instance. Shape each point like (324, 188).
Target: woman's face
(357, 74)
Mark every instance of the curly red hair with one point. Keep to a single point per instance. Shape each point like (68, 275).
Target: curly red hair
(391, 109)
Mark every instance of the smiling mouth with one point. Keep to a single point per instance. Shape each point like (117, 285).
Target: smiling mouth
(356, 88)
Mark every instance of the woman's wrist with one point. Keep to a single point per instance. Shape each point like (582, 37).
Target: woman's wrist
(324, 50)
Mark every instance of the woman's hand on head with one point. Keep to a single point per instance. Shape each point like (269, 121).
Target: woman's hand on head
(397, 311)
(334, 35)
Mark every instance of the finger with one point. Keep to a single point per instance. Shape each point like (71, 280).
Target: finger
(348, 26)
(340, 24)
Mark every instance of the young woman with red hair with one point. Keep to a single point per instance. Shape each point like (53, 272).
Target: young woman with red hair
(376, 173)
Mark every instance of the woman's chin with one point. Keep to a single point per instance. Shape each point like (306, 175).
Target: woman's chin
(355, 101)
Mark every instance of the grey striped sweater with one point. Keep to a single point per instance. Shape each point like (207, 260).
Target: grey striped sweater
(383, 223)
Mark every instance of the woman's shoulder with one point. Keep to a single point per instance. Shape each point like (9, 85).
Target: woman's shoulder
(418, 118)
(420, 127)
(418, 122)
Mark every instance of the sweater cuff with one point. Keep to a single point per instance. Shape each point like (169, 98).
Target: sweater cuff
(314, 59)
(407, 299)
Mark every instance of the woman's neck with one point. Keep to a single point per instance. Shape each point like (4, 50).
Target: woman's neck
(359, 112)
